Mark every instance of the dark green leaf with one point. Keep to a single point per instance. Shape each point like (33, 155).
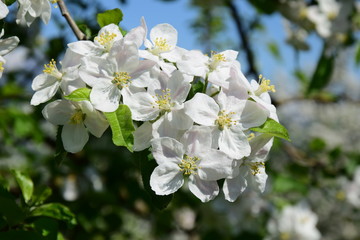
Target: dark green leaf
(357, 54)
(147, 167)
(47, 228)
(25, 183)
(122, 127)
(196, 87)
(322, 74)
(110, 16)
(9, 2)
(12, 213)
(55, 210)
(19, 235)
(86, 30)
(273, 128)
(41, 194)
(81, 94)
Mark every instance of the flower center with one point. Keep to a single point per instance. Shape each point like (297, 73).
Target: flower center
(251, 136)
(161, 45)
(106, 39)
(78, 117)
(121, 79)
(216, 59)
(163, 101)
(189, 165)
(255, 167)
(264, 86)
(1, 67)
(52, 70)
(224, 120)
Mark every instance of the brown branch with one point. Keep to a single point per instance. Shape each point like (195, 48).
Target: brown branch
(245, 42)
(65, 13)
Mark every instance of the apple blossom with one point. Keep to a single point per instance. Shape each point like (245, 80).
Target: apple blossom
(6, 46)
(31, 9)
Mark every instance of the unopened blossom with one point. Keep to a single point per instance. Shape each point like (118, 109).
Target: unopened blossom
(192, 157)
(67, 78)
(294, 222)
(251, 169)
(77, 118)
(29, 10)
(115, 76)
(227, 119)
(6, 46)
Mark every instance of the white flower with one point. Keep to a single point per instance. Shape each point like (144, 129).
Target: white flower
(352, 189)
(46, 84)
(192, 157)
(252, 169)
(294, 222)
(114, 76)
(3, 10)
(78, 118)
(6, 46)
(227, 120)
(31, 9)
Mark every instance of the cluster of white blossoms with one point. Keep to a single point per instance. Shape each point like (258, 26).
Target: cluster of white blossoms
(201, 137)
(294, 222)
(28, 11)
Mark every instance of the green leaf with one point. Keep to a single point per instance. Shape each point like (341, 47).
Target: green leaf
(55, 210)
(110, 16)
(197, 86)
(25, 183)
(19, 234)
(86, 30)
(274, 50)
(286, 184)
(41, 194)
(273, 128)
(121, 126)
(12, 213)
(81, 94)
(147, 167)
(47, 228)
(9, 2)
(322, 74)
(357, 54)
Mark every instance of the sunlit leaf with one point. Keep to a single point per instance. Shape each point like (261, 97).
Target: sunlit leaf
(81, 94)
(122, 127)
(273, 128)
(25, 183)
(110, 16)
(55, 210)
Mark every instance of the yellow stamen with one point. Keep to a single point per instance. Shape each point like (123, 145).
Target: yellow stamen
(188, 165)
(106, 39)
(78, 117)
(251, 136)
(264, 86)
(255, 167)
(52, 70)
(121, 79)
(53, 2)
(163, 101)
(224, 120)
(1, 67)
(216, 59)
(161, 45)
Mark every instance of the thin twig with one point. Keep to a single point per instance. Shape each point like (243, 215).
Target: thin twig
(245, 42)
(65, 13)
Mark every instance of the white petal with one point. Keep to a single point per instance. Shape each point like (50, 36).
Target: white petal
(179, 86)
(167, 150)
(220, 77)
(215, 165)
(142, 106)
(143, 66)
(8, 44)
(166, 179)
(3, 10)
(253, 115)
(194, 63)
(258, 181)
(197, 139)
(234, 142)
(74, 137)
(204, 190)
(105, 97)
(202, 109)
(165, 31)
(89, 71)
(85, 48)
(232, 188)
(179, 120)
(95, 121)
(44, 94)
(58, 112)
(142, 137)
(163, 128)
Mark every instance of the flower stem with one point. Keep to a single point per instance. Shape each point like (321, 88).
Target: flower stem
(65, 13)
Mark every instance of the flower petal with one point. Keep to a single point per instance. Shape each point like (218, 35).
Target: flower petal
(232, 188)
(105, 96)
(204, 190)
(234, 142)
(215, 165)
(74, 137)
(58, 112)
(167, 150)
(142, 137)
(202, 109)
(166, 179)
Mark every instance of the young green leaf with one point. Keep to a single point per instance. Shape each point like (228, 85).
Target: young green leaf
(25, 183)
(41, 194)
(55, 210)
(110, 16)
(273, 128)
(122, 127)
(81, 94)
